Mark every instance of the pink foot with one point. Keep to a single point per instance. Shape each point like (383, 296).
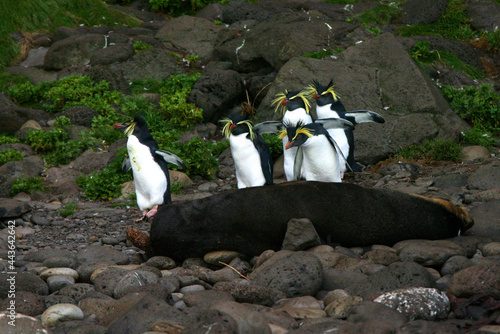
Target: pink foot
(144, 216)
(341, 175)
(152, 212)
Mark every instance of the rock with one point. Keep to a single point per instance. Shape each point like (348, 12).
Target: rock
(341, 308)
(86, 269)
(383, 257)
(53, 299)
(58, 262)
(161, 262)
(247, 320)
(474, 153)
(44, 254)
(454, 264)
(486, 177)
(428, 252)
(59, 272)
(192, 288)
(300, 235)
(483, 15)
(96, 253)
(486, 220)
(395, 276)
(479, 279)
(24, 324)
(426, 12)
(423, 326)
(112, 54)
(132, 280)
(417, 303)
(76, 291)
(140, 317)
(11, 208)
(23, 281)
(105, 308)
(91, 161)
(26, 303)
(60, 313)
(107, 280)
(491, 249)
(81, 115)
(74, 50)
(208, 319)
(247, 292)
(206, 298)
(375, 317)
(340, 279)
(295, 274)
(217, 257)
(57, 282)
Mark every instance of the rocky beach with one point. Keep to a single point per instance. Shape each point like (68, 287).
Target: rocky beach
(78, 272)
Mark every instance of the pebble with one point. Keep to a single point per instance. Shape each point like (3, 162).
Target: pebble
(57, 282)
(59, 272)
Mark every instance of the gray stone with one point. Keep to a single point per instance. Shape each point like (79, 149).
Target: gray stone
(474, 153)
(23, 281)
(455, 264)
(486, 177)
(206, 298)
(341, 308)
(11, 208)
(75, 50)
(244, 291)
(107, 280)
(58, 262)
(57, 299)
(486, 220)
(76, 291)
(417, 303)
(295, 274)
(479, 279)
(428, 252)
(26, 303)
(300, 235)
(57, 282)
(24, 324)
(44, 254)
(60, 313)
(132, 280)
(375, 317)
(96, 253)
(248, 321)
(339, 279)
(423, 12)
(161, 262)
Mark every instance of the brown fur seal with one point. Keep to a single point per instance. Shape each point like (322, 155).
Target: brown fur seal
(255, 219)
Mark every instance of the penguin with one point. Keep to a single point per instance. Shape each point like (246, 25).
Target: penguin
(149, 166)
(328, 105)
(295, 107)
(318, 157)
(251, 155)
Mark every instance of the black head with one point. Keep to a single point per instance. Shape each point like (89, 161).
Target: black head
(297, 134)
(322, 94)
(291, 101)
(136, 127)
(237, 125)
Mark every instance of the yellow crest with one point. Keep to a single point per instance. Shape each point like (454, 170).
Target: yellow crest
(305, 131)
(284, 96)
(226, 130)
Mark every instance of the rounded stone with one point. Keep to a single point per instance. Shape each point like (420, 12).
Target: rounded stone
(57, 282)
(217, 257)
(192, 288)
(59, 272)
(56, 314)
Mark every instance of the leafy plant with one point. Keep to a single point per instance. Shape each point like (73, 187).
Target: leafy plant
(175, 6)
(5, 139)
(141, 46)
(106, 184)
(10, 155)
(68, 210)
(479, 106)
(478, 137)
(29, 185)
(275, 145)
(433, 150)
(383, 13)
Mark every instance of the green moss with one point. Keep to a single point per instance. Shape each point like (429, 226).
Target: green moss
(68, 210)
(382, 14)
(141, 46)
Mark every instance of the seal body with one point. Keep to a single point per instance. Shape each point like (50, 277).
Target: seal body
(252, 220)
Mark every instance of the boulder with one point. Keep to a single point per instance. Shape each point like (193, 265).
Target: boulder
(74, 50)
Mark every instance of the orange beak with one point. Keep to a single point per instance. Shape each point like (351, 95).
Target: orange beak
(288, 145)
(118, 125)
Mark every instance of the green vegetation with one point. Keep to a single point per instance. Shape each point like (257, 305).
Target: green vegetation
(68, 210)
(141, 46)
(431, 150)
(106, 184)
(29, 185)
(275, 145)
(455, 25)
(39, 16)
(10, 155)
(479, 106)
(478, 137)
(176, 6)
(5, 139)
(423, 55)
(383, 13)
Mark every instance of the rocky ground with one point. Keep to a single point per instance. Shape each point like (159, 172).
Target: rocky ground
(79, 274)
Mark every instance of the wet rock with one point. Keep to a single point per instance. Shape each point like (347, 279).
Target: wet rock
(295, 274)
(417, 303)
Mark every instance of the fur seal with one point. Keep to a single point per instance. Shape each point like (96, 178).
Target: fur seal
(255, 219)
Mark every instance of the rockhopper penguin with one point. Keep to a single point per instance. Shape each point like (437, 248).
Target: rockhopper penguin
(295, 108)
(318, 157)
(149, 166)
(251, 155)
(328, 105)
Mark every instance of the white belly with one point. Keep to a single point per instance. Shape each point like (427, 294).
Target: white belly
(150, 180)
(246, 162)
(293, 118)
(321, 162)
(337, 134)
